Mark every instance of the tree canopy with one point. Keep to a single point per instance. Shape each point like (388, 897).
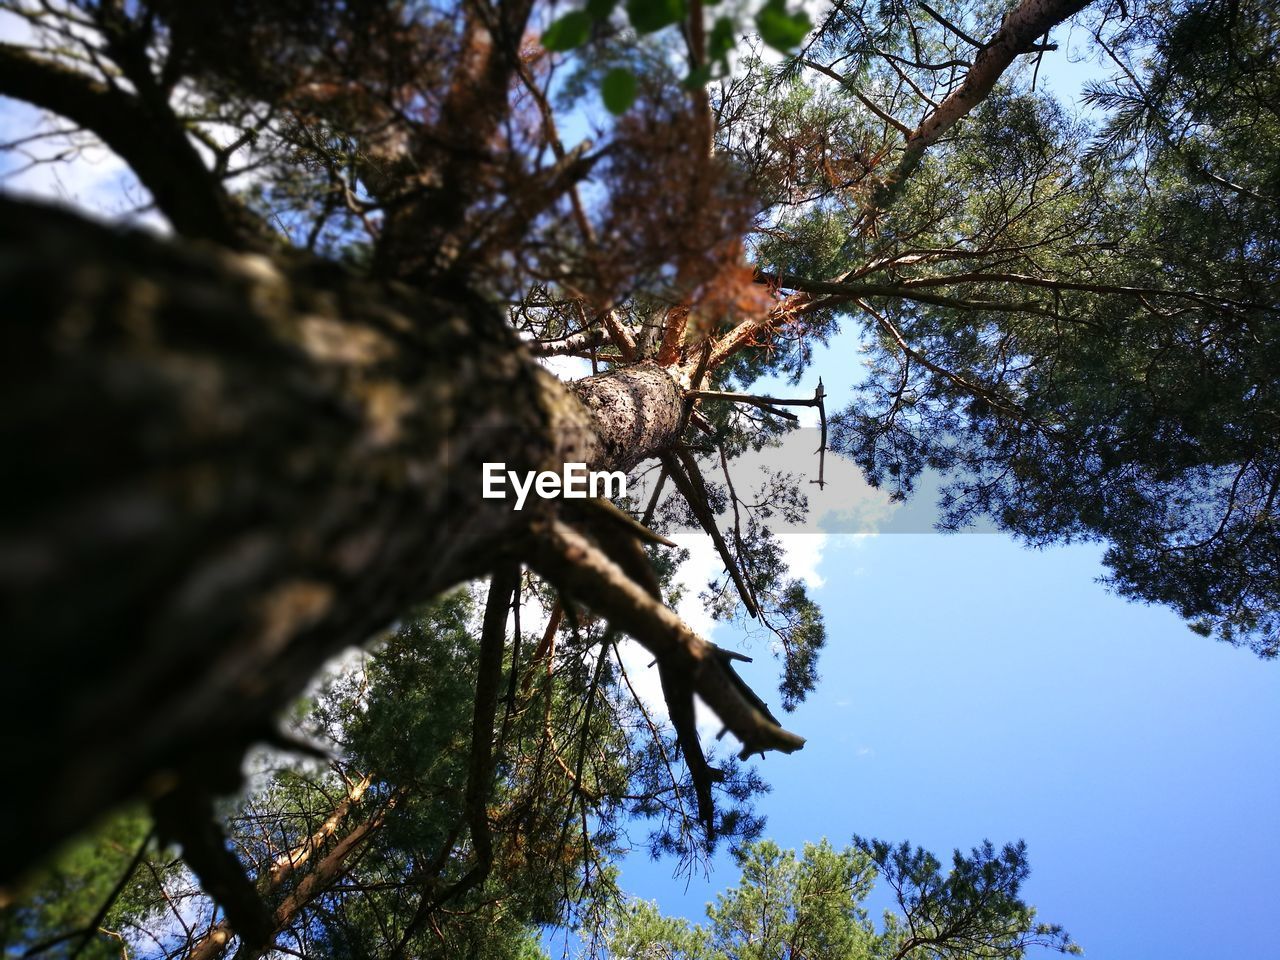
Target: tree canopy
(814, 906)
(365, 856)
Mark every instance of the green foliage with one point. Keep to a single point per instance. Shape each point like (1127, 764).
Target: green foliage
(813, 906)
(786, 905)
(779, 28)
(576, 761)
(568, 31)
(975, 909)
(619, 89)
(720, 40)
(1146, 421)
(1076, 324)
(792, 620)
(406, 715)
(649, 16)
(639, 931)
(66, 896)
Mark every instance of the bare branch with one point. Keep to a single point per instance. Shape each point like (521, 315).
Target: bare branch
(861, 98)
(568, 558)
(153, 143)
(764, 403)
(694, 492)
(819, 399)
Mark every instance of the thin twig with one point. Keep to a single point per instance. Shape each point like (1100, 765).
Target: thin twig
(951, 26)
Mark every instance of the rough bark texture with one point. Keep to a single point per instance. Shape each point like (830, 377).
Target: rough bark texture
(636, 409)
(219, 472)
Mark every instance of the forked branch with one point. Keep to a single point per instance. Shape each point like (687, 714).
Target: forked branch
(770, 405)
(569, 559)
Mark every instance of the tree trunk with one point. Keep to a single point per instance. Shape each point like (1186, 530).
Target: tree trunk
(636, 410)
(219, 471)
(213, 942)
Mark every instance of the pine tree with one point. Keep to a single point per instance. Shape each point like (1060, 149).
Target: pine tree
(253, 443)
(814, 906)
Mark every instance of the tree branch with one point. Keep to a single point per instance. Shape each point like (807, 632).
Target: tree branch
(951, 26)
(502, 588)
(89, 929)
(572, 344)
(765, 403)
(674, 326)
(620, 334)
(214, 941)
(860, 96)
(694, 492)
(569, 559)
(202, 381)
(153, 144)
(1022, 26)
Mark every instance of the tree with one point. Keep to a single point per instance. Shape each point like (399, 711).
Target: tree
(1110, 373)
(380, 852)
(813, 906)
(281, 412)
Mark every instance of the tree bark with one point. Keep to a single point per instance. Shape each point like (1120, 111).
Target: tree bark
(1018, 31)
(220, 470)
(636, 410)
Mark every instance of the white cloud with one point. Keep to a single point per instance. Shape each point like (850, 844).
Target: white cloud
(803, 553)
(567, 368)
(703, 565)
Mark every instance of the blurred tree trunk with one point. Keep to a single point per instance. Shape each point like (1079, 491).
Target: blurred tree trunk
(221, 470)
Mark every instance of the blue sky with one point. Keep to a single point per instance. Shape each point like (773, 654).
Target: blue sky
(976, 689)
(973, 688)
